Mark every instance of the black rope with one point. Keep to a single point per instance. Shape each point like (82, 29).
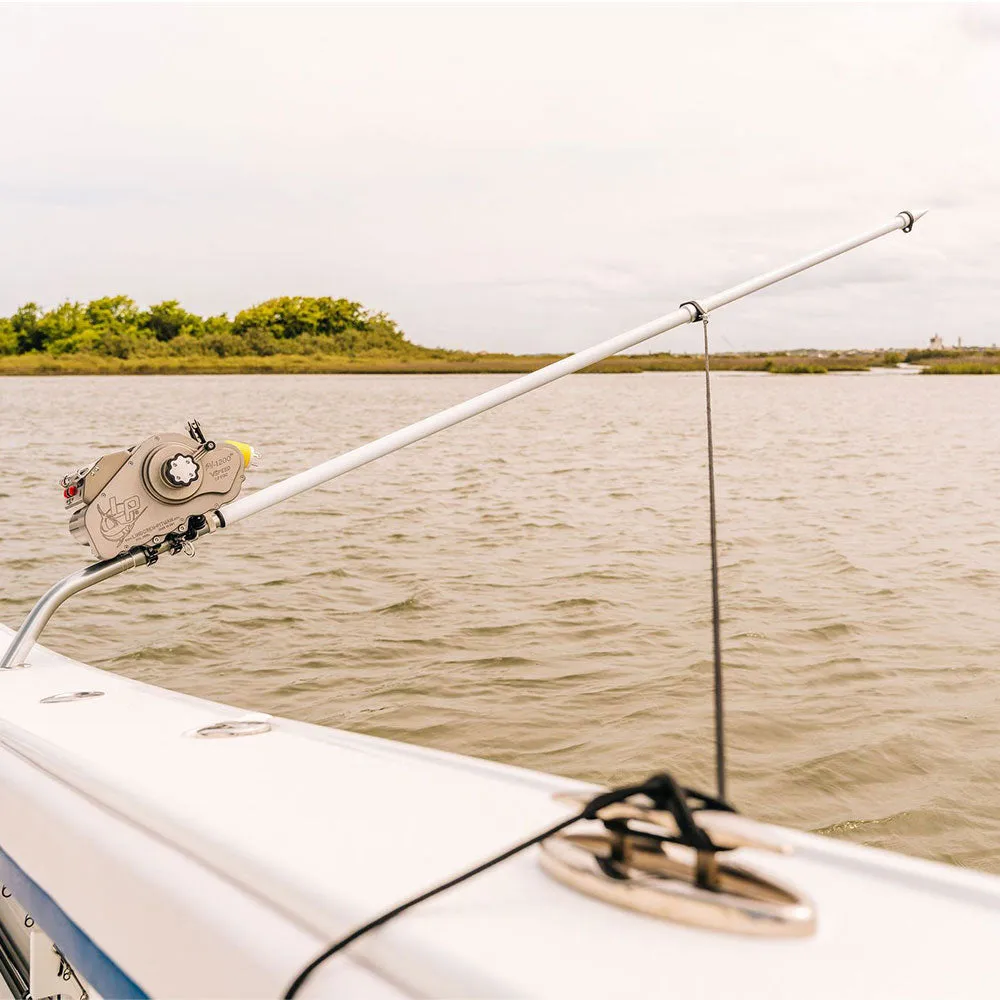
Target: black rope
(665, 793)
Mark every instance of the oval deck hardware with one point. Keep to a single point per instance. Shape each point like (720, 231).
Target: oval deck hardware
(659, 880)
(676, 870)
(58, 699)
(232, 727)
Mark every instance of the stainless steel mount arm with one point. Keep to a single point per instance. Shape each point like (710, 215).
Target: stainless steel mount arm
(50, 601)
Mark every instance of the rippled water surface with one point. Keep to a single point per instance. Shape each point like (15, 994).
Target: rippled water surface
(533, 585)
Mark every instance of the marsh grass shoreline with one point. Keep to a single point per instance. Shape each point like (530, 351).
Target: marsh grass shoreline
(966, 362)
(322, 335)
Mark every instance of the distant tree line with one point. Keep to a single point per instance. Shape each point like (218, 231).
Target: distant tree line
(115, 327)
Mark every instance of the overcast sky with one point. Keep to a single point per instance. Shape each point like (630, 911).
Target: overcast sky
(510, 178)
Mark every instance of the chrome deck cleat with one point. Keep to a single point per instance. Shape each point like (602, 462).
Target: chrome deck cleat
(662, 858)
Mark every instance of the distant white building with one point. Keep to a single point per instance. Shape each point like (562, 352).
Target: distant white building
(937, 344)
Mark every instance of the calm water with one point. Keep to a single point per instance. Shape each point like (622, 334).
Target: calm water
(533, 586)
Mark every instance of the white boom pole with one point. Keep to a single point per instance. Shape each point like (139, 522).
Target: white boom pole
(47, 605)
(277, 493)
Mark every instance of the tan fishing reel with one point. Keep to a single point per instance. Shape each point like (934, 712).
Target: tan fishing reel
(153, 490)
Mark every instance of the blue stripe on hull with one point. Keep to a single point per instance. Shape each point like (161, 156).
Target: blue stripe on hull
(85, 956)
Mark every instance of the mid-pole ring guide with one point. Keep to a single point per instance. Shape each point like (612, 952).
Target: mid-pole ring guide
(698, 313)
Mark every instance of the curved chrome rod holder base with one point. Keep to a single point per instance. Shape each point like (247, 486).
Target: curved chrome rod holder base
(27, 635)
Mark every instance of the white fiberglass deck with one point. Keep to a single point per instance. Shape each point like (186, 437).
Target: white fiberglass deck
(219, 867)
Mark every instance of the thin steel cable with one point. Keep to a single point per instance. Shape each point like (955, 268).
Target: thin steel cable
(720, 746)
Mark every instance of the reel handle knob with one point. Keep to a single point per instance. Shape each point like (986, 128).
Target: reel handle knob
(180, 471)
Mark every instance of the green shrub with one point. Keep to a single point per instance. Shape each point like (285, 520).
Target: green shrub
(114, 327)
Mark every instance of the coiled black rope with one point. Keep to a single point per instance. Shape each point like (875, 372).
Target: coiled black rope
(665, 794)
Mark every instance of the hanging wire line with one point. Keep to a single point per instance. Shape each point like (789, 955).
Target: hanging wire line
(720, 746)
(729, 343)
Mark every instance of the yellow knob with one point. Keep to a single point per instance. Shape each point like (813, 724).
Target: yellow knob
(248, 452)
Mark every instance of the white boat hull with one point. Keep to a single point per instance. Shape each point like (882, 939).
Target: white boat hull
(182, 866)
